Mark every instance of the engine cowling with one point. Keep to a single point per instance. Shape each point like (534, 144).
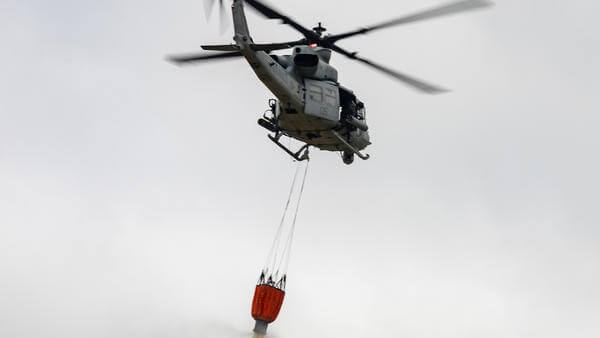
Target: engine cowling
(313, 63)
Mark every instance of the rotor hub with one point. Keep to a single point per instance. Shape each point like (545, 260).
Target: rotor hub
(319, 29)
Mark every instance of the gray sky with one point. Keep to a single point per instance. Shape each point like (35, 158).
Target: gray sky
(138, 199)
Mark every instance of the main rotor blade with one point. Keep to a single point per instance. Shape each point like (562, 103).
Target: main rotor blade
(192, 58)
(274, 14)
(409, 80)
(406, 79)
(448, 9)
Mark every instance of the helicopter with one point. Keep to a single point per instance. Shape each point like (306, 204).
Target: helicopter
(311, 106)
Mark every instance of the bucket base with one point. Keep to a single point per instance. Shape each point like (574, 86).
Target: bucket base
(261, 327)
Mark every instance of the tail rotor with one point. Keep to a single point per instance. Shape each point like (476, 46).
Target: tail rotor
(223, 17)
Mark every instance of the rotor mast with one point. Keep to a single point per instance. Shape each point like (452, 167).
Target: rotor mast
(320, 29)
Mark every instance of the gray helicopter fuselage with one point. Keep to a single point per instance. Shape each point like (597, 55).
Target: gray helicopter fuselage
(311, 102)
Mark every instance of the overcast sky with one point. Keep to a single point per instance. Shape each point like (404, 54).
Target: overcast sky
(139, 199)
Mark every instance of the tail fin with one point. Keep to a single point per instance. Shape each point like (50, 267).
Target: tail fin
(239, 19)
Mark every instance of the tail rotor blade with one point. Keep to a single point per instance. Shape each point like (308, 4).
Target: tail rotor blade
(224, 19)
(208, 7)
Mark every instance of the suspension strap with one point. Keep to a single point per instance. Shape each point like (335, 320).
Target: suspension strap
(288, 247)
(272, 257)
(275, 269)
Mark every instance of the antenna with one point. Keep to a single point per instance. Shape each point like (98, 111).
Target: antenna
(320, 29)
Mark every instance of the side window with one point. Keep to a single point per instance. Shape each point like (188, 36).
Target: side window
(330, 98)
(315, 93)
(361, 112)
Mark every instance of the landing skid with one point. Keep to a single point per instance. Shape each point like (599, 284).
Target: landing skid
(300, 155)
(350, 147)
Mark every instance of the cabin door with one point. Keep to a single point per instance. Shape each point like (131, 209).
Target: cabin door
(322, 100)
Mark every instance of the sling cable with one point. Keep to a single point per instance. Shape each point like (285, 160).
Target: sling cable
(270, 289)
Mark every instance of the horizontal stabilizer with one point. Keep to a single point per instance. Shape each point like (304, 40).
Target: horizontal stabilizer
(221, 48)
(268, 47)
